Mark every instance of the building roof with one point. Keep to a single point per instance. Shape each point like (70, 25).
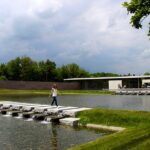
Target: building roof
(108, 78)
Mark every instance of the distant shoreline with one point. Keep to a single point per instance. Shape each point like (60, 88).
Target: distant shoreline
(61, 92)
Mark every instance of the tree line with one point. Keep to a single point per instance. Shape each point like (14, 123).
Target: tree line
(26, 69)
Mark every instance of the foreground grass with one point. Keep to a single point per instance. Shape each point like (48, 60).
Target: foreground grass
(136, 136)
(61, 92)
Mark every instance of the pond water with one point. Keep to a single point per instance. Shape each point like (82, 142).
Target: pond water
(19, 134)
(132, 102)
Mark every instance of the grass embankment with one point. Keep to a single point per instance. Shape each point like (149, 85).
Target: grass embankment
(61, 92)
(136, 136)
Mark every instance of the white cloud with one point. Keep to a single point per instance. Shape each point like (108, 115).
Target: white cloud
(95, 34)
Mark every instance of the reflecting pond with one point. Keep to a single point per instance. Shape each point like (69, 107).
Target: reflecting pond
(19, 134)
(132, 102)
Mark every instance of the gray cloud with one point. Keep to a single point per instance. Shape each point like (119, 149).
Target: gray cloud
(94, 34)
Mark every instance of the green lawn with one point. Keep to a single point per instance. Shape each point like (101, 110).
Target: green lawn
(136, 136)
(61, 92)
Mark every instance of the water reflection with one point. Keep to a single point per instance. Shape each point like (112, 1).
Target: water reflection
(54, 137)
(18, 134)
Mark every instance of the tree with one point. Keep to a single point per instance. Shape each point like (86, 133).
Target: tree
(58, 74)
(73, 71)
(47, 70)
(104, 74)
(50, 70)
(29, 70)
(3, 71)
(41, 70)
(140, 10)
(14, 69)
(146, 73)
(3, 78)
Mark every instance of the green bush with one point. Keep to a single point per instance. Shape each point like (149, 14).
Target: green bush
(3, 78)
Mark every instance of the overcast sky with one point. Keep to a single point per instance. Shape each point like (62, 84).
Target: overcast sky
(95, 34)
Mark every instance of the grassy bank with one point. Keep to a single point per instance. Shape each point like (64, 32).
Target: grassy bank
(136, 136)
(61, 92)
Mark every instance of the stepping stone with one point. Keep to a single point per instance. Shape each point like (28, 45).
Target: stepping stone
(69, 121)
(73, 112)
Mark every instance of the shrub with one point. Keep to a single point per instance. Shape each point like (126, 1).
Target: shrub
(3, 78)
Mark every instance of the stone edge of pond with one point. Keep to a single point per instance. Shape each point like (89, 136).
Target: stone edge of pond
(110, 128)
(75, 122)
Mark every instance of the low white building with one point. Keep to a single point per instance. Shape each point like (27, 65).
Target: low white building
(112, 83)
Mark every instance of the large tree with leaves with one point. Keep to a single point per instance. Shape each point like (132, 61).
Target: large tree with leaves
(73, 71)
(14, 69)
(22, 68)
(140, 10)
(29, 70)
(47, 70)
(3, 72)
